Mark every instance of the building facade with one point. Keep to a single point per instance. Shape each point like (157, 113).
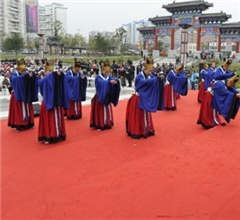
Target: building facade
(186, 16)
(12, 18)
(48, 15)
(133, 36)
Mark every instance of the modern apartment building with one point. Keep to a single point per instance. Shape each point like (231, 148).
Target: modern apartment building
(48, 15)
(12, 17)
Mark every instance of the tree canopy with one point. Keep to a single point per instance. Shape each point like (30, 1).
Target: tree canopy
(13, 43)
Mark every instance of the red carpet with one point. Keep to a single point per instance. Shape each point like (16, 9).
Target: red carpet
(184, 172)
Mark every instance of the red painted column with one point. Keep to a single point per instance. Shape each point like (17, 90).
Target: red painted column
(144, 44)
(172, 39)
(219, 43)
(237, 47)
(198, 39)
(156, 43)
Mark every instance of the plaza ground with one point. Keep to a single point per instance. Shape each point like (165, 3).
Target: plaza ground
(183, 172)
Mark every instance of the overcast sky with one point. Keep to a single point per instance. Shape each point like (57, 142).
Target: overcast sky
(100, 15)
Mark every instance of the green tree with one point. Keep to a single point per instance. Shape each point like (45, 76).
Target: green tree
(91, 44)
(101, 43)
(58, 30)
(69, 41)
(13, 43)
(80, 39)
(58, 34)
(120, 37)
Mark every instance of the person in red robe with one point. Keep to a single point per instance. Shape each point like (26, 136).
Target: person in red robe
(53, 88)
(25, 91)
(107, 93)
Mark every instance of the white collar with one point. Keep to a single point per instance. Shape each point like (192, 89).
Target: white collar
(144, 75)
(222, 70)
(103, 77)
(173, 72)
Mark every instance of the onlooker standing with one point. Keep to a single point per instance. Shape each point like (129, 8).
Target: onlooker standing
(129, 75)
(193, 80)
(139, 68)
(121, 73)
(6, 84)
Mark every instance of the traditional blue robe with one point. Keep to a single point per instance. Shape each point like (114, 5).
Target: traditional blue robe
(76, 86)
(107, 92)
(148, 90)
(179, 82)
(54, 90)
(224, 98)
(202, 73)
(208, 77)
(220, 74)
(161, 83)
(25, 87)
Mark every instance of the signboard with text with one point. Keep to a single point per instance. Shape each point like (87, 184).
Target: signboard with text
(32, 16)
(185, 21)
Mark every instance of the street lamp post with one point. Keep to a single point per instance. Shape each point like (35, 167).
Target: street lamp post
(41, 45)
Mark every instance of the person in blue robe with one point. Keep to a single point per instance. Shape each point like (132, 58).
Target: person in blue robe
(77, 86)
(144, 101)
(176, 83)
(201, 85)
(54, 89)
(107, 93)
(225, 96)
(161, 82)
(208, 76)
(25, 92)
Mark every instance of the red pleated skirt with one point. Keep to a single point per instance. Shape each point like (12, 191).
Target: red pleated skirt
(138, 122)
(101, 115)
(51, 124)
(20, 115)
(74, 111)
(170, 98)
(208, 117)
(200, 91)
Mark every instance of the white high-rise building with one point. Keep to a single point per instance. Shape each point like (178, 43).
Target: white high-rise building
(12, 17)
(48, 15)
(133, 36)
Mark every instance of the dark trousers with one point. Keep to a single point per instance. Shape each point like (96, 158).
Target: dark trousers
(129, 81)
(193, 85)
